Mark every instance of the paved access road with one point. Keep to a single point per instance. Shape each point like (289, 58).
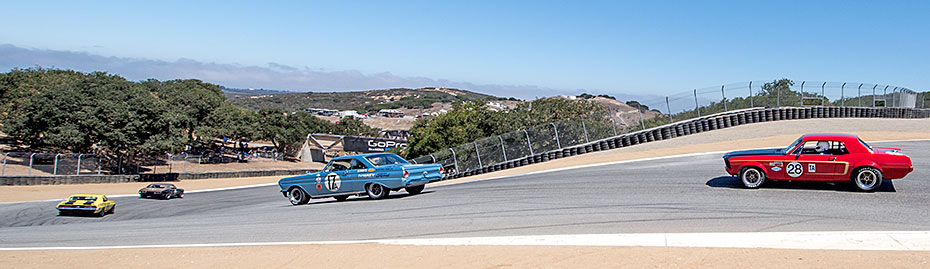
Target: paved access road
(685, 194)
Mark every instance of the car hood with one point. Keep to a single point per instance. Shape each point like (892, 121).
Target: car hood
(755, 152)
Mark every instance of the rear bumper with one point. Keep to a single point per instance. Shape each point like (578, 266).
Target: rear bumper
(79, 210)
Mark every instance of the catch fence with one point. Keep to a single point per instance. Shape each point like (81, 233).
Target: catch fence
(680, 114)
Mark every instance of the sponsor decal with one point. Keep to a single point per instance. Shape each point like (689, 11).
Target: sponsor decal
(794, 169)
(775, 163)
(371, 170)
(319, 187)
(776, 168)
(333, 182)
(811, 168)
(366, 175)
(371, 144)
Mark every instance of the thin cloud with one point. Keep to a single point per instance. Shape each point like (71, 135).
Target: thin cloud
(273, 76)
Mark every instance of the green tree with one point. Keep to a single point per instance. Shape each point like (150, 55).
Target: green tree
(191, 102)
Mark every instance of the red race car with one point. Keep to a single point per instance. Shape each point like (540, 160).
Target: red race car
(820, 157)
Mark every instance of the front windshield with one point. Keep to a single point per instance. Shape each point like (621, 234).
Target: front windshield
(385, 159)
(795, 144)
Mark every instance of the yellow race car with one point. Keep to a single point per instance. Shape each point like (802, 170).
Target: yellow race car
(96, 204)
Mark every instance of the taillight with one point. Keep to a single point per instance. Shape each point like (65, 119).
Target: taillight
(406, 174)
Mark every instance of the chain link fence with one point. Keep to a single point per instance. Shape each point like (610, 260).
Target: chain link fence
(691, 111)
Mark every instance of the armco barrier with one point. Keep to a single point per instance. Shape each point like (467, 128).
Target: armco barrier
(703, 124)
(88, 179)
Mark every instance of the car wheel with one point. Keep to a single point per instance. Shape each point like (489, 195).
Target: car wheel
(752, 177)
(167, 196)
(376, 191)
(867, 178)
(102, 213)
(181, 195)
(112, 210)
(341, 197)
(415, 189)
(297, 196)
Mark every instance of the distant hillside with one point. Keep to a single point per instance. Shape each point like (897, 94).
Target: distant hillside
(232, 93)
(358, 100)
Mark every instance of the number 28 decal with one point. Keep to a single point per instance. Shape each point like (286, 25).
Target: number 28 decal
(794, 169)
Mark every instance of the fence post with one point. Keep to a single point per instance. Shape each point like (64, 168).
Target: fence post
(696, 106)
(842, 96)
(3, 169)
(750, 95)
(801, 99)
(823, 96)
(477, 154)
(55, 169)
(724, 94)
(432, 158)
(30, 164)
(79, 164)
(585, 129)
(859, 94)
(557, 142)
(669, 108)
(639, 108)
(612, 123)
(169, 162)
(504, 152)
(455, 161)
(873, 95)
(894, 97)
(777, 96)
(199, 159)
(98, 164)
(885, 96)
(528, 144)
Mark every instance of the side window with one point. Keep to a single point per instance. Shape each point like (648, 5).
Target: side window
(356, 164)
(823, 148)
(104, 198)
(340, 165)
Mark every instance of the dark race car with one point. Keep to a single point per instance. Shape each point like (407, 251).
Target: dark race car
(820, 157)
(161, 190)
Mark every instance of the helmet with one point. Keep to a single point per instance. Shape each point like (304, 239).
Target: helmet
(822, 146)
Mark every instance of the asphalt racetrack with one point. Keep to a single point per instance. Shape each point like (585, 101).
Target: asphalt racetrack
(683, 194)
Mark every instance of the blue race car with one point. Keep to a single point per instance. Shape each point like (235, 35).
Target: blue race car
(374, 174)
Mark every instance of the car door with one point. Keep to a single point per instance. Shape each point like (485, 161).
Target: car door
(810, 164)
(358, 174)
(332, 180)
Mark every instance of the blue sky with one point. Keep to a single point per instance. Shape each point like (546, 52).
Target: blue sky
(614, 47)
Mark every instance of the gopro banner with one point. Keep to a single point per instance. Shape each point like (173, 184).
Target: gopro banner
(371, 144)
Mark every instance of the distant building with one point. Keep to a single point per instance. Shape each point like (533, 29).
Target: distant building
(391, 113)
(322, 111)
(350, 113)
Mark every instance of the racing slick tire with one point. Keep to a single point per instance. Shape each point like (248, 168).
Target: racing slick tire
(376, 191)
(341, 197)
(112, 210)
(415, 189)
(102, 213)
(867, 178)
(297, 196)
(181, 195)
(752, 177)
(168, 196)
